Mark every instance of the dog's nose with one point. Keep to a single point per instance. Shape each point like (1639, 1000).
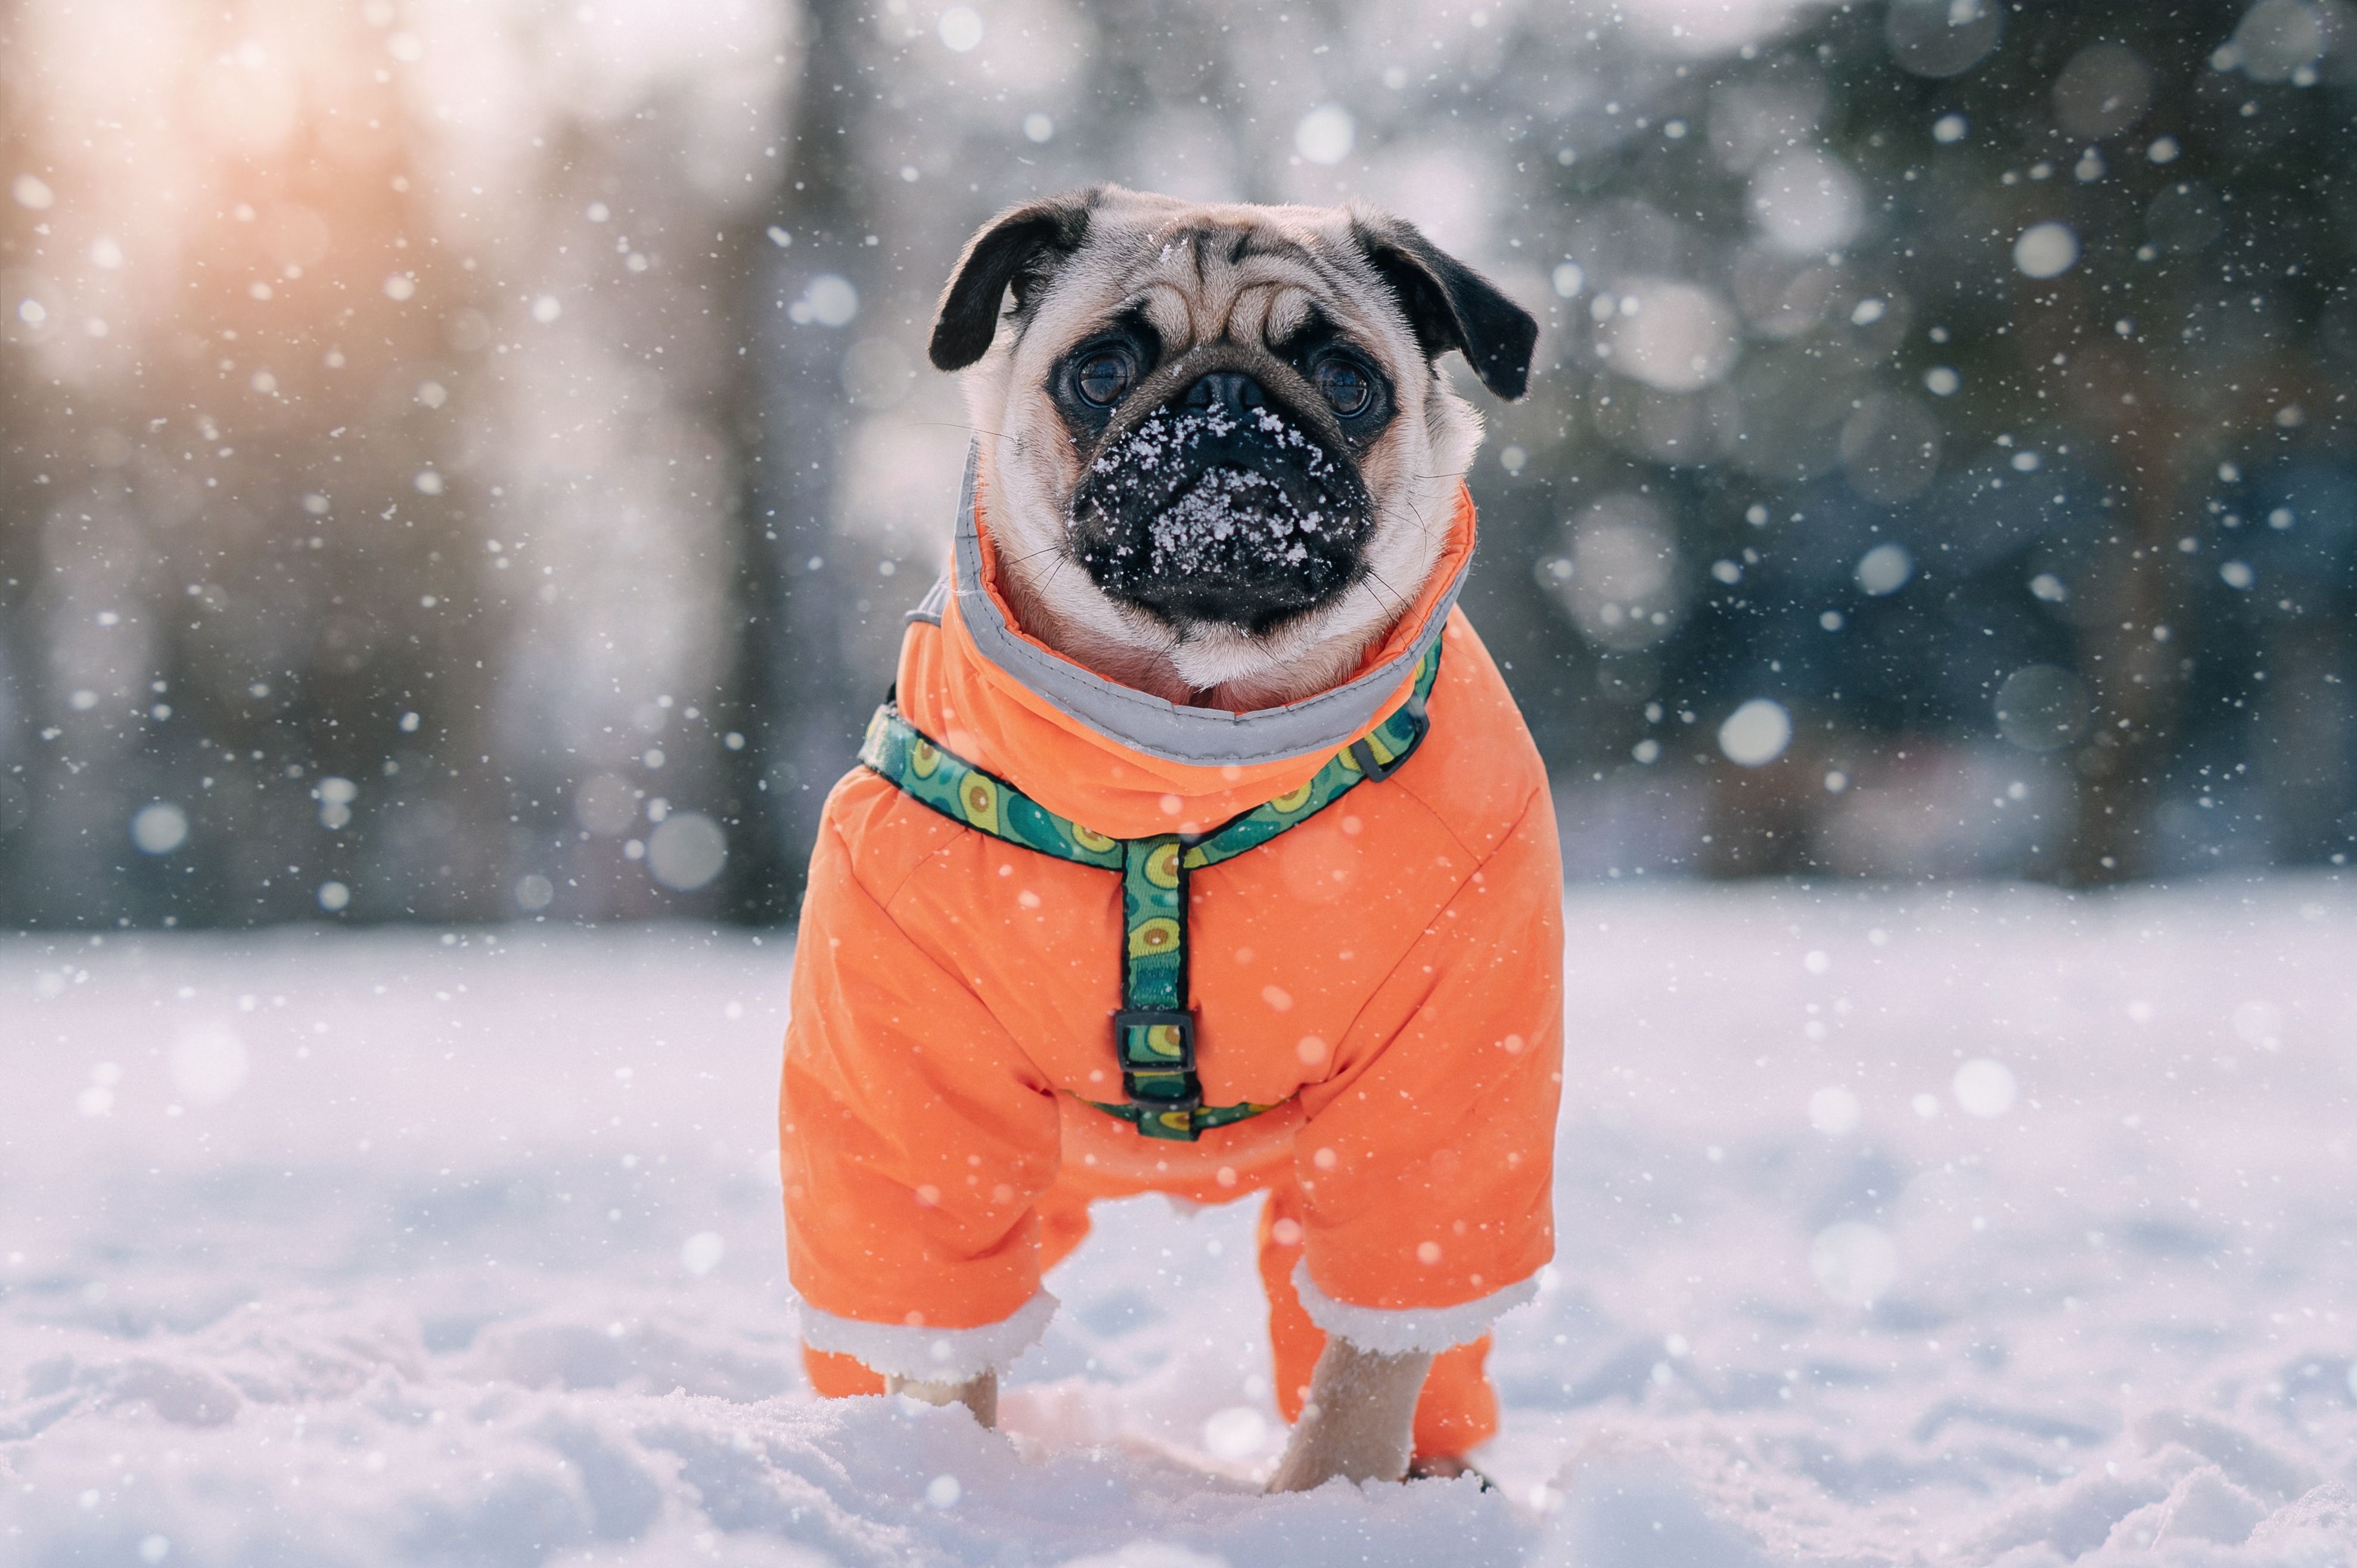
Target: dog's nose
(1230, 390)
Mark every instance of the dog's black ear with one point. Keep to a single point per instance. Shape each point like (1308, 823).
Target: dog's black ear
(1016, 249)
(1450, 305)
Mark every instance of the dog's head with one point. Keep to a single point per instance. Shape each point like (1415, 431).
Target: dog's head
(1222, 459)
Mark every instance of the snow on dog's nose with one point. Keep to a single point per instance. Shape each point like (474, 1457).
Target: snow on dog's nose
(1222, 505)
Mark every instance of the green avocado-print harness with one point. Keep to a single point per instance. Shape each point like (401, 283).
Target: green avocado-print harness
(1154, 1031)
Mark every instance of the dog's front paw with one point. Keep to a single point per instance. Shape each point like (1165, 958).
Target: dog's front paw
(1357, 1422)
(979, 1394)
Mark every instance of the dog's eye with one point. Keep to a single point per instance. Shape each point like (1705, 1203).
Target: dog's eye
(1346, 386)
(1103, 377)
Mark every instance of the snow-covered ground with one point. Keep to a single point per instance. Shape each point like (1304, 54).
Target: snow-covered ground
(1963, 1225)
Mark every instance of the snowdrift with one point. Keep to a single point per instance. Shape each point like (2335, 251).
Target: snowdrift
(1956, 1226)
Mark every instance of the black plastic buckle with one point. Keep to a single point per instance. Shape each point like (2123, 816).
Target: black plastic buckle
(1365, 757)
(1365, 754)
(1124, 1019)
(1155, 1104)
(1181, 1068)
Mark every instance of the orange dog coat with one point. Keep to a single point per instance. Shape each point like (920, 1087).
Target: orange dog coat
(1387, 974)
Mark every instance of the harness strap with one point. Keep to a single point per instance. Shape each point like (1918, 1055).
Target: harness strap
(1154, 1029)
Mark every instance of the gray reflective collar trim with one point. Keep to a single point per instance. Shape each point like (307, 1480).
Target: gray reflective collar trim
(1167, 731)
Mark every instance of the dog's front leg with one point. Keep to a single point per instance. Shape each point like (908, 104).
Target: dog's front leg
(1358, 1420)
(979, 1395)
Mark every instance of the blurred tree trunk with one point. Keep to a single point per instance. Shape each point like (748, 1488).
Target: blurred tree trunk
(791, 699)
(2166, 428)
(21, 506)
(763, 871)
(2133, 675)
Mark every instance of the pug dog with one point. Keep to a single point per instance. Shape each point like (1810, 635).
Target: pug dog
(1220, 464)
(1150, 339)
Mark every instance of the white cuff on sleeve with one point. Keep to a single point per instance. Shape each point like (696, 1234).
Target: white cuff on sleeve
(930, 1354)
(1396, 1331)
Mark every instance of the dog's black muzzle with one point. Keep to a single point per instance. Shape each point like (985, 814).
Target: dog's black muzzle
(1222, 503)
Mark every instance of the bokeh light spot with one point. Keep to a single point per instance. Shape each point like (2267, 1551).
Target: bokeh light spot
(2046, 250)
(1326, 134)
(1756, 734)
(159, 829)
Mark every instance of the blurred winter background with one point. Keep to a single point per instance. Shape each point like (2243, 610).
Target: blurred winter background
(462, 466)
(468, 461)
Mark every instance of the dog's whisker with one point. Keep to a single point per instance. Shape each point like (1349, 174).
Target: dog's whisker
(954, 424)
(1394, 592)
(1055, 549)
